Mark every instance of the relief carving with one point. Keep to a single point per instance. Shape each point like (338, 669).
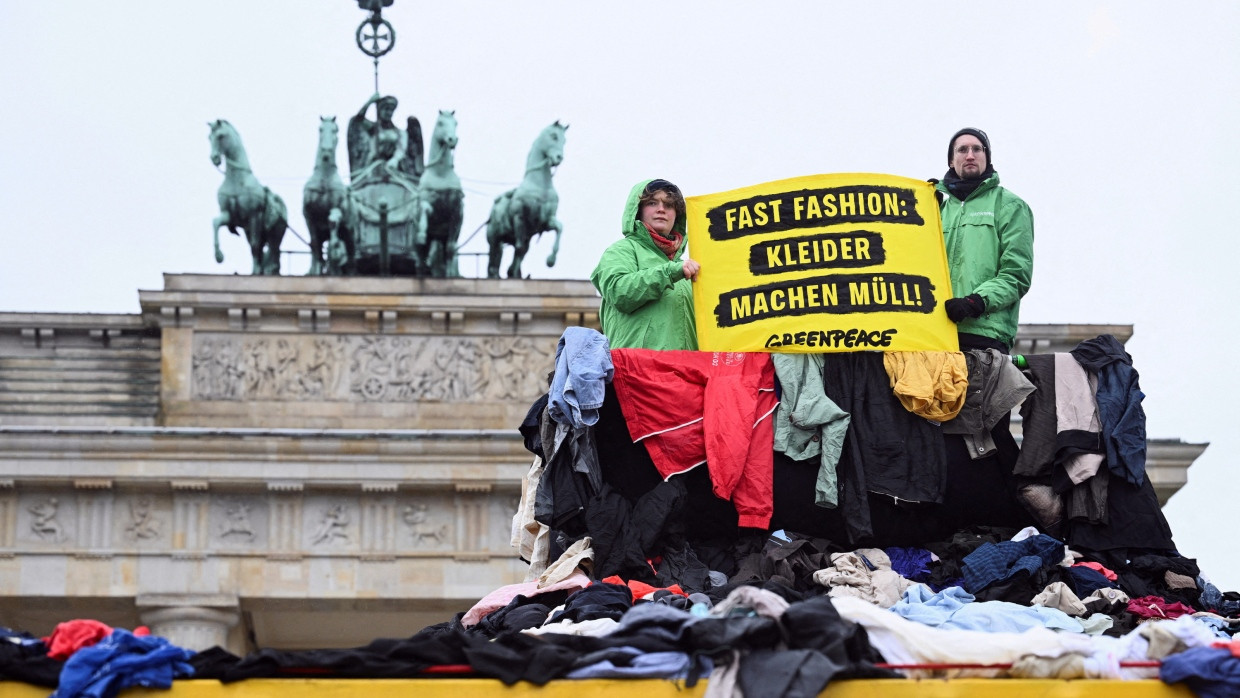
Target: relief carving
(332, 529)
(43, 521)
(237, 522)
(142, 522)
(364, 368)
(421, 529)
(387, 369)
(289, 368)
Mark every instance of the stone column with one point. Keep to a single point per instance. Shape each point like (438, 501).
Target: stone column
(192, 621)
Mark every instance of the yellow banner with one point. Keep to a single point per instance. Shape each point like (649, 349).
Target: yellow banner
(836, 262)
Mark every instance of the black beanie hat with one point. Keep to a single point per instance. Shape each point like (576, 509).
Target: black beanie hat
(977, 133)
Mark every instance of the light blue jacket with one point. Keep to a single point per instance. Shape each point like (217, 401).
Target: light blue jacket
(582, 371)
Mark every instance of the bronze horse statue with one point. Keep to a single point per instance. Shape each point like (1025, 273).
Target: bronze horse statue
(520, 214)
(323, 205)
(441, 191)
(245, 203)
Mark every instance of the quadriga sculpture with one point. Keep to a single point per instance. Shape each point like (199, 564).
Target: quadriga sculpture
(245, 203)
(383, 209)
(520, 214)
(441, 192)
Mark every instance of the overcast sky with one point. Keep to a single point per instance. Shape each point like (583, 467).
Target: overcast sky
(1117, 122)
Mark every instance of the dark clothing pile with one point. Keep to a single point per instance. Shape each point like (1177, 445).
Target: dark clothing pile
(808, 645)
(686, 587)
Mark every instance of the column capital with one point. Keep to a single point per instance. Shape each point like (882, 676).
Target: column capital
(192, 621)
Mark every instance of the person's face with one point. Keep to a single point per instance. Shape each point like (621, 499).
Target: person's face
(968, 157)
(386, 109)
(658, 213)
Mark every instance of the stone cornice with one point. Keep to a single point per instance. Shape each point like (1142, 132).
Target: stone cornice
(370, 303)
(68, 321)
(254, 457)
(1045, 338)
(347, 295)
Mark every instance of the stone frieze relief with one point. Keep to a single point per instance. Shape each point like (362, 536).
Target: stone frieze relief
(232, 522)
(367, 368)
(143, 524)
(44, 524)
(425, 530)
(266, 368)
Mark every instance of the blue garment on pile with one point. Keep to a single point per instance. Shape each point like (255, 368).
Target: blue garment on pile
(1209, 672)
(1220, 626)
(910, 563)
(632, 663)
(1119, 404)
(21, 637)
(1086, 580)
(122, 660)
(954, 608)
(995, 562)
(582, 370)
(1213, 599)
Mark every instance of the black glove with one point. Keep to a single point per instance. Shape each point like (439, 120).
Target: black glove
(958, 309)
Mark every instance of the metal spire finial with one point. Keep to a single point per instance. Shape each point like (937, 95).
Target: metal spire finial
(380, 38)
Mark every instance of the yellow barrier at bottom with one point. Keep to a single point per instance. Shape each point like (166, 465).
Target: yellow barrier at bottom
(626, 688)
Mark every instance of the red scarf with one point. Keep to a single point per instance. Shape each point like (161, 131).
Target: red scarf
(669, 247)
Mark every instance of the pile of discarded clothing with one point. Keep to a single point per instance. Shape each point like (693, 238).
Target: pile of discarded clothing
(85, 657)
(778, 522)
(681, 456)
(889, 478)
(843, 616)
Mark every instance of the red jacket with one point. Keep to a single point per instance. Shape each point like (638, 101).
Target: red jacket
(694, 407)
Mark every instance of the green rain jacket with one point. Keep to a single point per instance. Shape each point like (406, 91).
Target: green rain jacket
(989, 240)
(647, 301)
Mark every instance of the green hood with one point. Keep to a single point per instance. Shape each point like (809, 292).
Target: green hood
(633, 228)
(647, 301)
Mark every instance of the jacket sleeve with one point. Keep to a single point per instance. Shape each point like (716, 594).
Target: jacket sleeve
(1015, 268)
(626, 285)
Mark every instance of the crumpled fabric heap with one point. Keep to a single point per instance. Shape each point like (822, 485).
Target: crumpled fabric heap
(1208, 672)
(1058, 595)
(122, 660)
(864, 574)
(500, 597)
(996, 562)
(71, 636)
(1157, 607)
(904, 641)
(791, 563)
(812, 647)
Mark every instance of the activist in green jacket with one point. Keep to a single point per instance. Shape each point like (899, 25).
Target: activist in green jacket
(988, 232)
(645, 279)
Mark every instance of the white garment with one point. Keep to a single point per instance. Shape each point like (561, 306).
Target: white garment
(1026, 533)
(580, 555)
(902, 641)
(531, 539)
(595, 627)
(723, 680)
(1076, 408)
